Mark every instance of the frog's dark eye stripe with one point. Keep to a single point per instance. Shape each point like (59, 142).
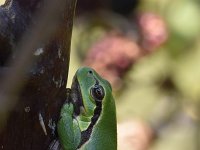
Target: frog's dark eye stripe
(97, 92)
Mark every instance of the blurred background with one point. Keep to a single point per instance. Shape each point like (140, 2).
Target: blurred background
(149, 50)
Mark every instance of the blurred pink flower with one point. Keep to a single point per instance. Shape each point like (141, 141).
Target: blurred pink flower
(112, 56)
(153, 30)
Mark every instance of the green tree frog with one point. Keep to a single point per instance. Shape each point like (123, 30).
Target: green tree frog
(88, 118)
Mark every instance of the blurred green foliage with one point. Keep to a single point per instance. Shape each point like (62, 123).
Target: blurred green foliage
(166, 84)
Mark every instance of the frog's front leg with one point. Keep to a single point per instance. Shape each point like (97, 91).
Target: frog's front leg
(68, 128)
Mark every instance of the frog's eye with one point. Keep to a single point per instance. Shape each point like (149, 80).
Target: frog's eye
(97, 92)
(90, 72)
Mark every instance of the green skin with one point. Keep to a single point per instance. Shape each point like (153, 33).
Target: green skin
(103, 135)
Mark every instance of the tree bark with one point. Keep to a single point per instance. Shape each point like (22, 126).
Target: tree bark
(35, 38)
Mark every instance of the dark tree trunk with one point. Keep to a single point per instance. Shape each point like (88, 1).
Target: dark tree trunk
(35, 38)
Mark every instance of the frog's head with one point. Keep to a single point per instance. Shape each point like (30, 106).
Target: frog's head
(89, 92)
